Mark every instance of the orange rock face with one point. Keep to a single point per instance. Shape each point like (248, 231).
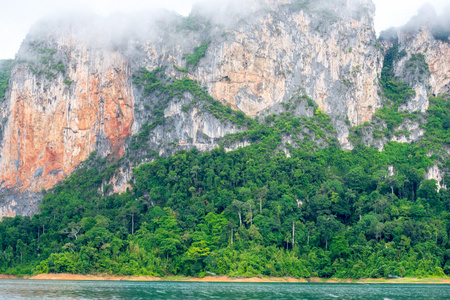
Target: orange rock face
(53, 127)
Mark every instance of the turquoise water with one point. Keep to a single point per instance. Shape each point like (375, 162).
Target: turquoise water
(47, 289)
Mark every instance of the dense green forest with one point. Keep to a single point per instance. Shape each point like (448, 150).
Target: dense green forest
(312, 210)
(234, 213)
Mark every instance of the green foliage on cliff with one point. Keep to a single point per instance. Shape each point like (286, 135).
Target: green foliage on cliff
(44, 63)
(417, 65)
(437, 134)
(395, 91)
(193, 59)
(193, 22)
(305, 133)
(441, 33)
(158, 84)
(5, 72)
(184, 70)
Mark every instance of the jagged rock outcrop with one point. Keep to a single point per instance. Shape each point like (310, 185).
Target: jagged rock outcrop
(437, 55)
(408, 131)
(434, 172)
(429, 72)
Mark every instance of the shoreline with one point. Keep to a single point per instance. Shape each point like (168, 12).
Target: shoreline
(106, 277)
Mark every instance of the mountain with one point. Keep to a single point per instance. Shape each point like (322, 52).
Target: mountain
(72, 93)
(137, 123)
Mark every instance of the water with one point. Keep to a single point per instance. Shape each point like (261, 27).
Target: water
(47, 289)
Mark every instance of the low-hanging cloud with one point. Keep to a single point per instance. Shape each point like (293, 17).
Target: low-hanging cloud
(117, 30)
(106, 27)
(426, 17)
(92, 28)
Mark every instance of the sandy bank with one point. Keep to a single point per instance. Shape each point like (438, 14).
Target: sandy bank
(175, 278)
(8, 277)
(229, 279)
(65, 276)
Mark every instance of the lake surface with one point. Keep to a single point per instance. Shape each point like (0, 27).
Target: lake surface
(62, 289)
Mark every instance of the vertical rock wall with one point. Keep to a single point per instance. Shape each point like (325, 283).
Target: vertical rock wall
(437, 56)
(328, 53)
(54, 124)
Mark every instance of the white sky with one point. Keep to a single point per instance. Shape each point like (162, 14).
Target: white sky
(16, 16)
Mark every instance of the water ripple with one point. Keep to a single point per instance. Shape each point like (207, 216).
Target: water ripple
(65, 289)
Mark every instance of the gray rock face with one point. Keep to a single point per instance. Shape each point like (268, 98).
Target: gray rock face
(414, 70)
(408, 131)
(327, 52)
(426, 67)
(437, 174)
(13, 202)
(187, 129)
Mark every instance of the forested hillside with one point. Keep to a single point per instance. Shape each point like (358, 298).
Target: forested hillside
(259, 210)
(292, 203)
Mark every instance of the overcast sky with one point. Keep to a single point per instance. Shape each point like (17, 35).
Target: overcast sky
(16, 16)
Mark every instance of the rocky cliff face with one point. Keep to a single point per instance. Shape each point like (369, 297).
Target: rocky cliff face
(327, 52)
(437, 56)
(425, 61)
(57, 116)
(70, 96)
(425, 65)
(283, 48)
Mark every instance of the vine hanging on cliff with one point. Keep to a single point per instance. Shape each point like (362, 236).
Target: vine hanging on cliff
(193, 59)
(5, 72)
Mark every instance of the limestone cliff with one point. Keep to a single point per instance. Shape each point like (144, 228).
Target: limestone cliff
(328, 53)
(56, 116)
(423, 63)
(437, 56)
(73, 88)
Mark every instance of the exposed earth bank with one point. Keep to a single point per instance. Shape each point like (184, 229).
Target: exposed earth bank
(64, 276)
